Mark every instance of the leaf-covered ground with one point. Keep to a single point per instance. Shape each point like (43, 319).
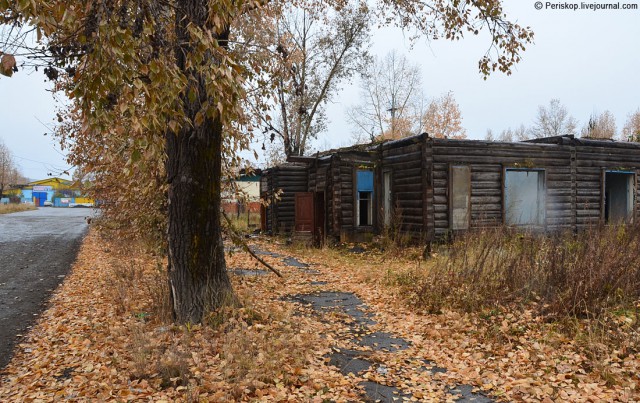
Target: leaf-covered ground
(102, 339)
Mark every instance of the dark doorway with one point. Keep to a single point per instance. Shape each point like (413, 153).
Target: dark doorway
(619, 188)
(319, 219)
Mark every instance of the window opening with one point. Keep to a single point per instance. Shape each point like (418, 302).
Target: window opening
(619, 187)
(364, 183)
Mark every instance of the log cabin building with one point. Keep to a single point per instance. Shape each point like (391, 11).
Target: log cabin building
(428, 187)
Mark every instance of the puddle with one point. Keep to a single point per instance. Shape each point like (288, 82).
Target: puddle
(261, 252)
(347, 362)
(345, 301)
(248, 272)
(465, 394)
(357, 250)
(293, 262)
(382, 341)
(354, 362)
(381, 393)
(430, 366)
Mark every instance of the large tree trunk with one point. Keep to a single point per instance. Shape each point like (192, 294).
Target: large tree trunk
(197, 270)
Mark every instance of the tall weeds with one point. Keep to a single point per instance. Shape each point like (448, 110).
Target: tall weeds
(581, 275)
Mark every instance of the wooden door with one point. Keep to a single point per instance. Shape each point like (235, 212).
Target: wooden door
(304, 212)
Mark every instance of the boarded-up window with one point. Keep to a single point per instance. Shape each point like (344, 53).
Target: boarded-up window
(364, 186)
(524, 197)
(619, 189)
(460, 197)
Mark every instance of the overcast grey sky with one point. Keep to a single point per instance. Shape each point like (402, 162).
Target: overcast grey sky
(590, 60)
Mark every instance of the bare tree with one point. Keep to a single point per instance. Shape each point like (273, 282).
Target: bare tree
(553, 120)
(8, 172)
(520, 133)
(391, 95)
(319, 53)
(489, 135)
(631, 129)
(600, 126)
(443, 118)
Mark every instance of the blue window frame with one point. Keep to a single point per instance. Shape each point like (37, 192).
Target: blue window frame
(364, 205)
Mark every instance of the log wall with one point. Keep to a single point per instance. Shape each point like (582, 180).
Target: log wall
(290, 179)
(406, 163)
(593, 158)
(487, 162)
(420, 167)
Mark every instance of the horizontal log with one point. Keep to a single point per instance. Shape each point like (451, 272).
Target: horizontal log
(555, 192)
(558, 206)
(408, 195)
(486, 192)
(588, 185)
(486, 207)
(558, 198)
(489, 185)
(440, 183)
(441, 217)
(534, 154)
(480, 200)
(409, 211)
(414, 148)
(485, 219)
(440, 200)
(403, 203)
(400, 166)
(407, 173)
(559, 214)
(537, 163)
(493, 177)
(588, 213)
(440, 208)
(441, 224)
(411, 187)
(440, 175)
(610, 163)
(407, 180)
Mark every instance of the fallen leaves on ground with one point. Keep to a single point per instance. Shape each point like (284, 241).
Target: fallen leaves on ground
(102, 339)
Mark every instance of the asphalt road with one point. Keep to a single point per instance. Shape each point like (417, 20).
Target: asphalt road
(37, 249)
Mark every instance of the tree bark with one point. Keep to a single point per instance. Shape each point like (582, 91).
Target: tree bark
(197, 270)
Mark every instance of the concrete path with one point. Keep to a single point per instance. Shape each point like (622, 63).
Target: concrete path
(361, 320)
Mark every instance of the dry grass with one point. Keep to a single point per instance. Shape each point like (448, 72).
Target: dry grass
(585, 286)
(15, 208)
(583, 275)
(245, 222)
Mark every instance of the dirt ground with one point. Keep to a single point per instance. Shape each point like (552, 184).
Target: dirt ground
(37, 249)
